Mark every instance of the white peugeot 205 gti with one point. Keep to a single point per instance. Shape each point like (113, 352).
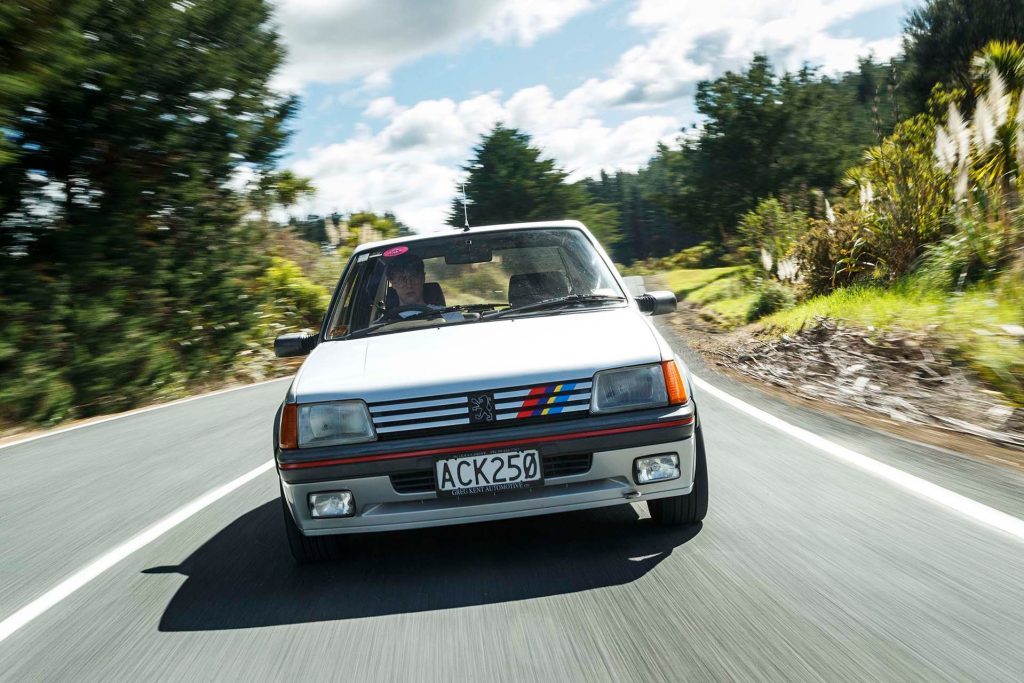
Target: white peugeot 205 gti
(484, 374)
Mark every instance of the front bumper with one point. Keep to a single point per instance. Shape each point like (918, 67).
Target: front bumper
(609, 480)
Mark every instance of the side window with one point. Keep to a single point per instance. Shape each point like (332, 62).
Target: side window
(376, 291)
(357, 297)
(339, 325)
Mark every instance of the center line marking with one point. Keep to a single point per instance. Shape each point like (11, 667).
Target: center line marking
(972, 509)
(108, 560)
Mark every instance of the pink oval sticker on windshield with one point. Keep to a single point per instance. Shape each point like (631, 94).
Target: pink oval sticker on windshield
(395, 251)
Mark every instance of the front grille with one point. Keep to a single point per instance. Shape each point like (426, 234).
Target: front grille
(405, 418)
(422, 481)
(413, 482)
(567, 465)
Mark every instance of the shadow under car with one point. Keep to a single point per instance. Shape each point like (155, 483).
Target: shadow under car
(244, 577)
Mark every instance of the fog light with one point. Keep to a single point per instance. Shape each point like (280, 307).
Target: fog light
(656, 468)
(331, 504)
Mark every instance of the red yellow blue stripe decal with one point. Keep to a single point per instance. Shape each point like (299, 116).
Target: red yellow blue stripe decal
(545, 400)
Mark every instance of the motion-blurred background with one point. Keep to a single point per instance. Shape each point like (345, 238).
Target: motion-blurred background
(850, 232)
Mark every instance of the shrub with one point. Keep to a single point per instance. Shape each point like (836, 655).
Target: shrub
(975, 252)
(702, 255)
(904, 198)
(833, 254)
(773, 229)
(772, 297)
(699, 256)
(290, 301)
(741, 255)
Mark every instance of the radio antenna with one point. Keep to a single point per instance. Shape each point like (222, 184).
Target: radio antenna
(465, 201)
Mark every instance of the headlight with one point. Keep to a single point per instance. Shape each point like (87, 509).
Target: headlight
(642, 386)
(330, 424)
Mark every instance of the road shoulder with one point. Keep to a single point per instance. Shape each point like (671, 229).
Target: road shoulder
(989, 481)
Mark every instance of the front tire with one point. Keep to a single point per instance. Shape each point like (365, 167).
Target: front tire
(691, 508)
(305, 549)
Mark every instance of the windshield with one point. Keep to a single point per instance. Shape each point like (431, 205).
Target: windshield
(469, 277)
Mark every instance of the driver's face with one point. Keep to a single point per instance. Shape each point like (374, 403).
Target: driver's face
(409, 287)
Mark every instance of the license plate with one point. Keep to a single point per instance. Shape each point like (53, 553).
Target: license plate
(488, 473)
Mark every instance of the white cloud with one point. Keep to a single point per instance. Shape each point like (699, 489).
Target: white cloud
(591, 145)
(378, 80)
(692, 41)
(382, 107)
(361, 174)
(526, 20)
(332, 41)
(411, 165)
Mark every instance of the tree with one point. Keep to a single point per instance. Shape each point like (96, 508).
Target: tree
(279, 188)
(790, 136)
(602, 219)
(644, 226)
(381, 227)
(509, 182)
(941, 38)
(123, 258)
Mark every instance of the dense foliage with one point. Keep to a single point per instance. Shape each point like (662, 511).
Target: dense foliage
(939, 193)
(942, 37)
(645, 228)
(765, 135)
(124, 262)
(138, 141)
(829, 181)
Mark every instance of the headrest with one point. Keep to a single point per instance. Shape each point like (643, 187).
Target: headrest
(432, 294)
(529, 288)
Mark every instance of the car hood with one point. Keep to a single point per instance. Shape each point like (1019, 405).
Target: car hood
(477, 356)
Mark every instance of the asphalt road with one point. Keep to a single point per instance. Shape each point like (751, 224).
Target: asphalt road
(806, 568)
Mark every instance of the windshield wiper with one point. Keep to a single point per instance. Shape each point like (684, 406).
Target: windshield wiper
(368, 330)
(556, 303)
(432, 313)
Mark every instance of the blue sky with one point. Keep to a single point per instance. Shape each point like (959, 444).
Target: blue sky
(396, 92)
(587, 44)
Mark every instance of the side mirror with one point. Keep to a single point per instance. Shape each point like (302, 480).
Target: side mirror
(657, 303)
(294, 344)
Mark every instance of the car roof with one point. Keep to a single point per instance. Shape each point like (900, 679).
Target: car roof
(419, 237)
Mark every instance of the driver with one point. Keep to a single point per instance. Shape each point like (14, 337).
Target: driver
(407, 277)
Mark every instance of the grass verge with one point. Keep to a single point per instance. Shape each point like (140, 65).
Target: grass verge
(726, 292)
(980, 326)
(686, 280)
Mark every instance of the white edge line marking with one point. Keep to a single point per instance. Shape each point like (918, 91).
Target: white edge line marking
(83, 576)
(137, 411)
(937, 494)
(970, 508)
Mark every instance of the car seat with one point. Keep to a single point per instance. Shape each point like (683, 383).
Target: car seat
(529, 288)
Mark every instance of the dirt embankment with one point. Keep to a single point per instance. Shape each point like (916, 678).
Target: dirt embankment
(899, 381)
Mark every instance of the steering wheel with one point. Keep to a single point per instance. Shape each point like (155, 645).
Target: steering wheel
(395, 312)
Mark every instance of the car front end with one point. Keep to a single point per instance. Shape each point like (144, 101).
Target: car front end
(526, 381)
(583, 459)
